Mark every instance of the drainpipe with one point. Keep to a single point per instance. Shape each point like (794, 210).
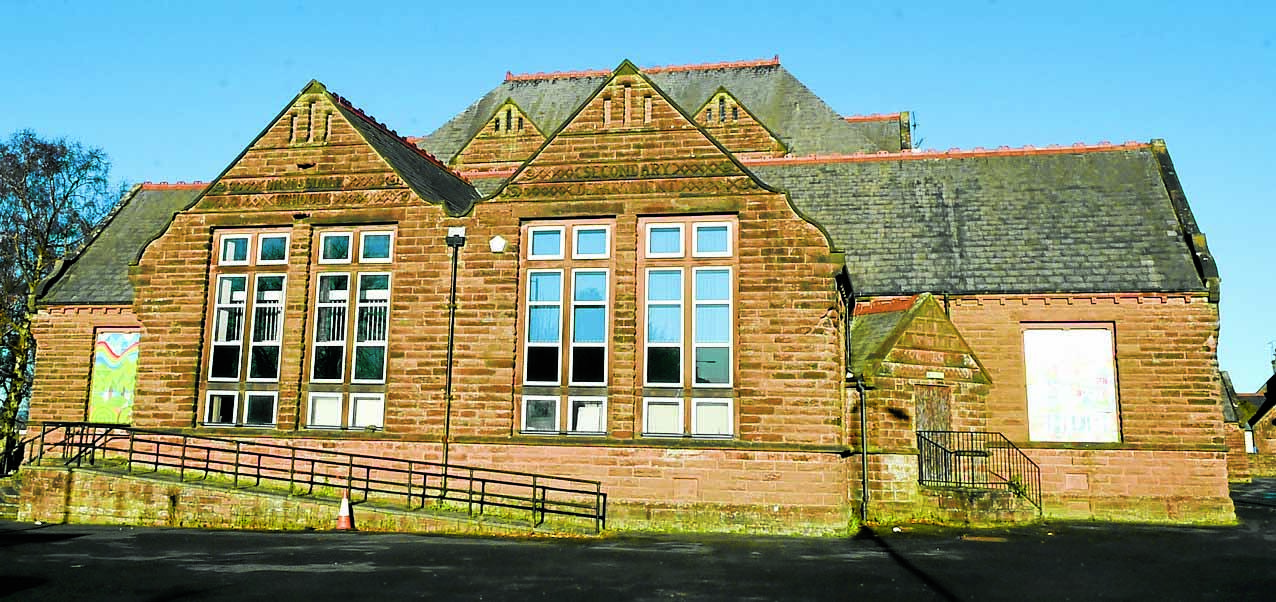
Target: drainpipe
(847, 291)
(455, 240)
(859, 388)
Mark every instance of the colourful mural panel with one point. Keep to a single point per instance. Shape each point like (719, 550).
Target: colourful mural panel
(114, 377)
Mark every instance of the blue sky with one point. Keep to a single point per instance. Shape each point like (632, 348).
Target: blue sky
(174, 90)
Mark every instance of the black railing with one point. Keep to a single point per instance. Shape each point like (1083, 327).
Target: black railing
(977, 460)
(308, 471)
(11, 453)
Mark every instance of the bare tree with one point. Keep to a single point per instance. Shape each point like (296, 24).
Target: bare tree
(52, 194)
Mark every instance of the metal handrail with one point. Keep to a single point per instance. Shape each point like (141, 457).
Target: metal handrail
(303, 469)
(977, 459)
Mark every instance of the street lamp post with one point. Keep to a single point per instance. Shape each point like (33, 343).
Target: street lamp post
(455, 240)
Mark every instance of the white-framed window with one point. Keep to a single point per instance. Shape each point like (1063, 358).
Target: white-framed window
(589, 326)
(272, 249)
(711, 239)
(367, 411)
(543, 337)
(220, 407)
(711, 326)
(376, 246)
(546, 242)
(233, 408)
(664, 240)
(591, 241)
(587, 415)
(372, 325)
(260, 408)
(540, 414)
(325, 410)
(234, 249)
(335, 247)
(662, 417)
(245, 326)
(1250, 447)
(350, 329)
(712, 417)
(687, 286)
(267, 327)
(332, 302)
(664, 327)
(230, 300)
(1071, 383)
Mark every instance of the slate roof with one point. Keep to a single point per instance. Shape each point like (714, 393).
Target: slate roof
(873, 334)
(98, 274)
(1094, 220)
(802, 121)
(426, 175)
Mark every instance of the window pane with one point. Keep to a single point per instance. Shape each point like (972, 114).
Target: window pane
(273, 248)
(662, 417)
(228, 323)
(590, 286)
(589, 324)
(369, 363)
(336, 247)
(331, 324)
(544, 286)
(328, 359)
(543, 324)
(373, 287)
(334, 288)
(713, 323)
(261, 410)
(663, 365)
(713, 366)
(664, 324)
(367, 410)
(542, 415)
(588, 364)
(664, 285)
(711, 239)
(664, 240)
(542, 364)
(713, 285)
(325, 410)
(587, 416)
(232, 289)
(270, 289)
(712, 418)
(263, 362)
(221, 408)
(225, 362)
(592, 241)
(235, 250)
(375, 246)
(547, 243)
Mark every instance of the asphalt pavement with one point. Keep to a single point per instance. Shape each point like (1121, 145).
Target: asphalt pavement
(1055, 561)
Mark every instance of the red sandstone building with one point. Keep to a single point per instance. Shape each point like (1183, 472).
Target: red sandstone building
(698, 285)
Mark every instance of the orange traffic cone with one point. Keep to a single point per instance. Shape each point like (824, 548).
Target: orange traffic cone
(344, 522)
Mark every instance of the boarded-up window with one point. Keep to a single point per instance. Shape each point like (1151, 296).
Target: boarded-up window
(114, 376)
(1071, 377)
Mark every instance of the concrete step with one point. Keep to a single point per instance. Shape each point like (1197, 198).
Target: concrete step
(9, 494)
(978, 506)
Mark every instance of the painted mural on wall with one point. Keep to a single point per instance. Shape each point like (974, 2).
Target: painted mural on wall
(114, 378)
